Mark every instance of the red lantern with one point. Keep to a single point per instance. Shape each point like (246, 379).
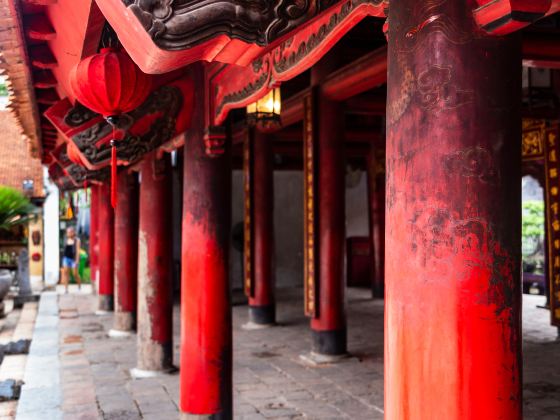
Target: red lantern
(110, 83)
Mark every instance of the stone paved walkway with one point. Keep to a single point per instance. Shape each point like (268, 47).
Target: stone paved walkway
(270, 380)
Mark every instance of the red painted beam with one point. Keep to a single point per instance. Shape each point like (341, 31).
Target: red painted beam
(375, 168)
(206, 325)
(365, 73)
(39, 2)
(126, 252)
(42, 57)
(47, 96)
(262, 304)
(452, 292)
(39, 28)
(106, 248)
(292, 108)
(155, 298)
(328, 325)
(44, 79)
(501, 17)
(541, 50)
(94, 234)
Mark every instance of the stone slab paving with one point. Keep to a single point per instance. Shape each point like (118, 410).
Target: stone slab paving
(270, 380)
(40, 395)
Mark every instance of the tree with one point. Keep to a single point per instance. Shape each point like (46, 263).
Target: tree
(15, 208)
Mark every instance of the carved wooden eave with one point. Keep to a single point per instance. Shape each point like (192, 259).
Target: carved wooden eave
(164, 35)
(163, 116)
(14, 65)
(236, 87)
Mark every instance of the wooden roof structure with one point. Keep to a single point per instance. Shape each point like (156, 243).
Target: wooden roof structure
(15, 67)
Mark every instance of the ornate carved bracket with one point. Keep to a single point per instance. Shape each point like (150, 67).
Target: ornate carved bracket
(165, 114)
(68, 175)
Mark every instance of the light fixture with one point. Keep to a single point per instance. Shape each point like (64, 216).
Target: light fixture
(266, 110)
(27, 186)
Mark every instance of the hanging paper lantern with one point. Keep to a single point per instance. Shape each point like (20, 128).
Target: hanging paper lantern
(111, 84)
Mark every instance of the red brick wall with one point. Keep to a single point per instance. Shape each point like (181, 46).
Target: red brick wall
(15, 163)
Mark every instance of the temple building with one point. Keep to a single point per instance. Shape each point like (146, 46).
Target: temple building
(242, 147)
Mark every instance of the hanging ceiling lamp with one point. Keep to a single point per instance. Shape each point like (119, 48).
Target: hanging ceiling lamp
(111, 84)
(266, 111)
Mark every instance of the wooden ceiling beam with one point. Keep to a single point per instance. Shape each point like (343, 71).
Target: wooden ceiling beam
(42, 57)
(39, 2)
(44, 79)
(39, 28)
(363, 74)
(541, 49)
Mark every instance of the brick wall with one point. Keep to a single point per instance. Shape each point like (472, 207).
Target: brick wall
(16, 165)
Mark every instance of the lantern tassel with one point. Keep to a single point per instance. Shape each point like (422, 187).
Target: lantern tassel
(113, 174)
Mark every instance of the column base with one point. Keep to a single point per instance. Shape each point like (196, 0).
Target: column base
(100, 312)
(316, 359)
(217, 416)
(124, 321)
(377, 292)
(105, 303)
(329, 343)
(113, 333)
(137, 373)
(251, 326)
(154, 356)
(262, 315)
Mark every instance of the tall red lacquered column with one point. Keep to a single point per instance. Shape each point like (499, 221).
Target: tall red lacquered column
(126, 253)
(106, 248)
(155, 303)
(452, 308)
(329, 325)
(376, 198)
(206, 334)
(259, 228)
(94, 234)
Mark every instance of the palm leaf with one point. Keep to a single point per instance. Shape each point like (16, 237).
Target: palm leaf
(15, 208)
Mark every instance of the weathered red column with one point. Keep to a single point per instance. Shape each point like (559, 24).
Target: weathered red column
(376, 205)
(206, 334)
(452, 308)
(155, 300)
(94, 235)
(328, 234)
(106, 249)
(126, 254)
(259, 229)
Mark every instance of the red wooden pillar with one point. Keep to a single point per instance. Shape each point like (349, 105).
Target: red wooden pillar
(452, 308)
(376, 198)
(206, 334)
(328, 234)
(106, 246)
(126, 254)
(259, 228)
(94, 235)
(155, 300)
